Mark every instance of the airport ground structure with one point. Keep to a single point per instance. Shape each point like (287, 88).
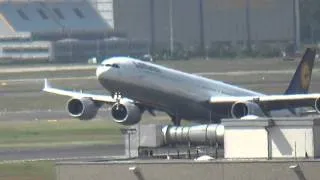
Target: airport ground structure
(278, 148)
(74, 30)
(206, 24)
(63, 31)
(189, 170)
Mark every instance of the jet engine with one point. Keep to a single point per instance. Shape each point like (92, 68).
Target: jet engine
(84, 108)
(242, 109)
(126, 113)
(317, 105)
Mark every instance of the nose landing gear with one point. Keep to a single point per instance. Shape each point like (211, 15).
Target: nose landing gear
(117, 96)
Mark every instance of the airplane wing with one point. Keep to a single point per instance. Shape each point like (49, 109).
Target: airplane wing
(100, 98)
(295, 96)
(270, 102)
(74, 94)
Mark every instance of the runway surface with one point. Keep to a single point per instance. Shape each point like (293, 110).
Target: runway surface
(61, 153)
(92, 151)
(30, 115)
(227, 73)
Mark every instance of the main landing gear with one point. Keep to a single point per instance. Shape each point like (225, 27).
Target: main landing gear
(176, 120)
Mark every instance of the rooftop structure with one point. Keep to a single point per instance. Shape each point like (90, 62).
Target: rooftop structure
(49, 16)
(59, 30)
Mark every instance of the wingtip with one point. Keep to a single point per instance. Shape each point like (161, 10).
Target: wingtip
(46, 84)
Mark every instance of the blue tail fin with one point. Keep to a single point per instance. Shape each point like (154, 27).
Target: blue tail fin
(301, 79)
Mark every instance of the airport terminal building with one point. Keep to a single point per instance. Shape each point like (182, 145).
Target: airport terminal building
(203, 22)
(75, 30)
(60, 31)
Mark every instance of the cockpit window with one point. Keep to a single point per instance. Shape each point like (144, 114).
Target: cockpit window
(115, 66)
(112, 65)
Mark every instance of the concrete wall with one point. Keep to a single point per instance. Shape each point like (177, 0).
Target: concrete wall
(254, 146)
(291, 141)
(132, 17)
(272, 20)
(269, 20)
(272, 138)
(190, 170)
(224, 20)
(316, 139)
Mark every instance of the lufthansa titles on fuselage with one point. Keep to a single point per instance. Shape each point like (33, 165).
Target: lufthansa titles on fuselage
(147, 67)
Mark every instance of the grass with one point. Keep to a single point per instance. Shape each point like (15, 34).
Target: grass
(48, 134)
(52, 133)
(41, 170)
(37, 85)
(35, 102)
(14, 135)
(57, 133)
(47, 74)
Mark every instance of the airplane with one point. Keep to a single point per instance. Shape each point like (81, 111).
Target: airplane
(137, 86)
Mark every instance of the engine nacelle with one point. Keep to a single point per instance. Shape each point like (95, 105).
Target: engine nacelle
(84, 108)
(242, 109)
(126, 113)
(317, 105)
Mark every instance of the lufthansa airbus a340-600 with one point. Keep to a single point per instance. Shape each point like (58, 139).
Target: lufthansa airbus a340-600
(137, 86)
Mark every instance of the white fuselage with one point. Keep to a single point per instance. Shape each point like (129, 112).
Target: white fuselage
(162, 88)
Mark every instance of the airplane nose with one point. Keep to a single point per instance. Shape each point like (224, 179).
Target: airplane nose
(100, 70)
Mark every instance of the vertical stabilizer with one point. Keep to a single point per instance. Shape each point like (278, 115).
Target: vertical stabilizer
(300, 82)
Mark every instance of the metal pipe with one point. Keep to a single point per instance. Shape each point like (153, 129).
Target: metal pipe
(208, 134)
(201, 28)
(152, 27)
(171, 27)
(248, 24)
(296, 15)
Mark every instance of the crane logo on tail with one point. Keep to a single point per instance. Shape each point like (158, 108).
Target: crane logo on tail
(305, 75)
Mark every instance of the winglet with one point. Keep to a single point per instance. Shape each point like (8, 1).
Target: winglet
(301, 79)
(46, 84)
